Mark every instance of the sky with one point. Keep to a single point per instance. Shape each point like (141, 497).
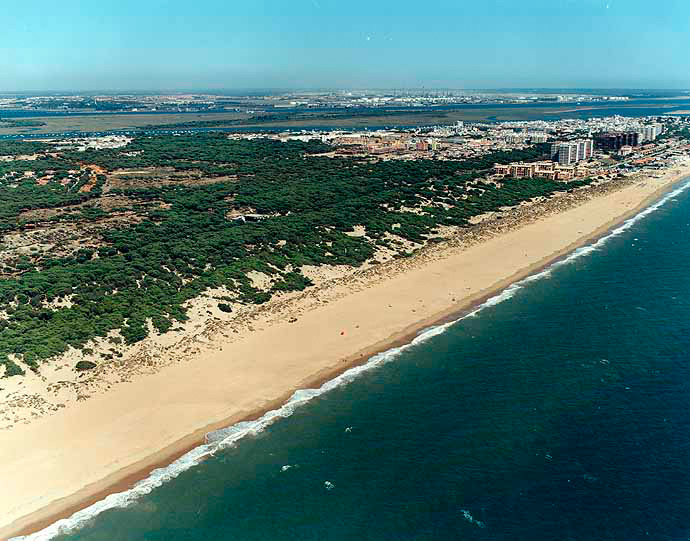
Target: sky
(305, 44)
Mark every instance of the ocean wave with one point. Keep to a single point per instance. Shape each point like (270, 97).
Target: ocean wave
(469, 518)
(227, 437)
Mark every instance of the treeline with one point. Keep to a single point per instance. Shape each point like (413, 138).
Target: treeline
(296, 116)
(17, 123)
(18, 148)
(186, 243)
(19, 193)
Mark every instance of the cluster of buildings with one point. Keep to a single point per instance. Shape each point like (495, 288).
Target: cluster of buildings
(280, 101)
(402, 145)
(565, 155)
(578, 147)
(546, 169)
(526, 138)
(384, 144)
(563, 165)
(420, 98)
(615, 141)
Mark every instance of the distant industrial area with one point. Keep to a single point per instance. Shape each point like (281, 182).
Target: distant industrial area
(217, 102)
(87, 114)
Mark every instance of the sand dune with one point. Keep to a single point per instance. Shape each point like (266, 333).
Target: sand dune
(234, 368)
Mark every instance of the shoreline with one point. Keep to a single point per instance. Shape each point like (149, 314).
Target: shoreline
(123, 478)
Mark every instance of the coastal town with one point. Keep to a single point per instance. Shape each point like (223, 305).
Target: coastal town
(600, 148)
(196, 247)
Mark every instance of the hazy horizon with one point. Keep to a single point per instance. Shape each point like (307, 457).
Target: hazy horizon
(240, 91)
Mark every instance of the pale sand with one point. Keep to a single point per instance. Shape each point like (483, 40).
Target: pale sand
(64, 461)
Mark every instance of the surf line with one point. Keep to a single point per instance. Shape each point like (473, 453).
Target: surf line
(227, 437)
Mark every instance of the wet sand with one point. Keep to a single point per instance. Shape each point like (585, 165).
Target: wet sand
(62, 462)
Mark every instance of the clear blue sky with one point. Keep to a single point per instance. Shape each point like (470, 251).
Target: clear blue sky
(169, 44)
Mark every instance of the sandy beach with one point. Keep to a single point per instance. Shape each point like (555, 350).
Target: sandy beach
(70, 448)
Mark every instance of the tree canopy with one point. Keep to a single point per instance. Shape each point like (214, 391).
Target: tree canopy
(186, 236)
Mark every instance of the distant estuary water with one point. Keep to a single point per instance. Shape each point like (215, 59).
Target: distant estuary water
(559, 411)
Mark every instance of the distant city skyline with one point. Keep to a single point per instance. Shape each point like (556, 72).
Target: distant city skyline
(630, 92)
(316, 44)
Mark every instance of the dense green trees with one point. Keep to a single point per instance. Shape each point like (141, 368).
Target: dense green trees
(184, 242)
(16, 148)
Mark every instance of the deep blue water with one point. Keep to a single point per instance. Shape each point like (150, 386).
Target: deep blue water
(561, 413)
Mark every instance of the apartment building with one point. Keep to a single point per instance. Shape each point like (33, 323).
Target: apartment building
(569, 152)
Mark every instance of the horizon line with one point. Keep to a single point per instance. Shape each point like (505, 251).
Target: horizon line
(208, 90)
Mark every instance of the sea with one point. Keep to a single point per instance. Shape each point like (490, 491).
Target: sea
(557, 410)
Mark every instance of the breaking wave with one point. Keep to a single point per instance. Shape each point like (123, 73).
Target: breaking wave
(227, 437)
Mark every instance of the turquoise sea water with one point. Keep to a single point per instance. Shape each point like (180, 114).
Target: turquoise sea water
(560, 413)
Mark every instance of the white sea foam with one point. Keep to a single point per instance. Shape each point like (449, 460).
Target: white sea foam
(227, 437)
(469, 518)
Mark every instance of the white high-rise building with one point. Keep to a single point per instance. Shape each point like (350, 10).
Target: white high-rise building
(571, 152)
(650, 132)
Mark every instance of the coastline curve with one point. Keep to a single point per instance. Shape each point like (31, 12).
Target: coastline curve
(225, 437)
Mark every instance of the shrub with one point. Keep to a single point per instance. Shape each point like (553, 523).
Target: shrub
(12, 369)
(84, 365)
